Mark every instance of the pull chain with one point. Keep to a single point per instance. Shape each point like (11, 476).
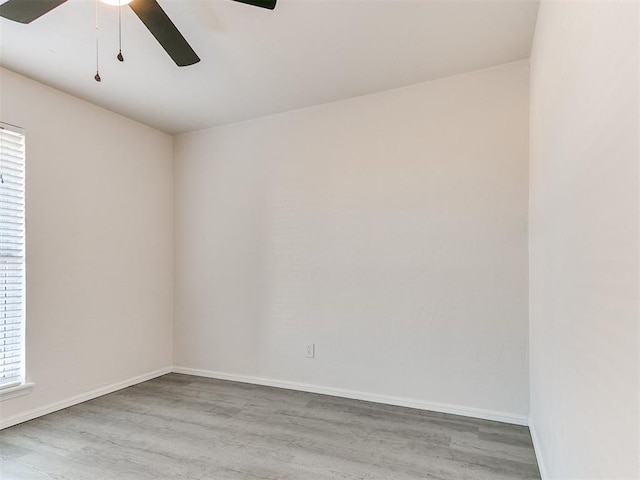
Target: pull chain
(97, 76)
(120, 57)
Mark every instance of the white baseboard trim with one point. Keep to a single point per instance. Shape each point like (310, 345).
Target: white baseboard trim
(98, 392)
(538, 450)
(369, 397)
(303, 387)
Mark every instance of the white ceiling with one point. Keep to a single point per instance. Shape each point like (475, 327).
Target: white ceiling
(257, 62)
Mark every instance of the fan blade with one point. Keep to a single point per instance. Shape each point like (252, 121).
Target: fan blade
(161, 26)
(26, 11)
(270, 4)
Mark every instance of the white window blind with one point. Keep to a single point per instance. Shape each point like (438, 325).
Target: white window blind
(12, 256)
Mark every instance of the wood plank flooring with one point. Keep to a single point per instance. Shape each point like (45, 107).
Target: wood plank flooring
(184, 427)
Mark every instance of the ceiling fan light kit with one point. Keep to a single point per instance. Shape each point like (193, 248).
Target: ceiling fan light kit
(148, 11)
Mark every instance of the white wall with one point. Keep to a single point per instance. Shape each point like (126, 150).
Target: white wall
(584, 287)
(99, 244)
(390, 229)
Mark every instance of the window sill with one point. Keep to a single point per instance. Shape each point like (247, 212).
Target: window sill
(17, 391)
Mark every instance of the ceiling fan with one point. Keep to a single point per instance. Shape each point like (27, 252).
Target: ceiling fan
(149, 11)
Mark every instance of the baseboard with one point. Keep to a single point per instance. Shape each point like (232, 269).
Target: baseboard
(98, 392)
(303, 387)
(369, 397)
(538, 450)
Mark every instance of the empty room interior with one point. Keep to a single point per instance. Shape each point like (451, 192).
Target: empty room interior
(320, 239)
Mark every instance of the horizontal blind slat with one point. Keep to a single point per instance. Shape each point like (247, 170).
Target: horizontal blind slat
(13, 348)
(10, 363)
(12, 355)
(16, 360)
(9, 379)
(11, 143)
(10, 189)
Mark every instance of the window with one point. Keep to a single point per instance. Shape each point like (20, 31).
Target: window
(12, 257)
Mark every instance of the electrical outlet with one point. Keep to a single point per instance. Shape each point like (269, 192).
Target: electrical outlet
(311, 350)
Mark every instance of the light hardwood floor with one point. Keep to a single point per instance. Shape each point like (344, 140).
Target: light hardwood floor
(184, 427)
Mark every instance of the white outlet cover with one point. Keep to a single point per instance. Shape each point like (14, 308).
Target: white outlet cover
(311, 350)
